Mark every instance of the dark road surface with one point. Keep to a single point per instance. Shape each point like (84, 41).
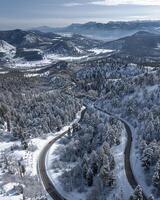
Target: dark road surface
(47, 183)
(128, 169)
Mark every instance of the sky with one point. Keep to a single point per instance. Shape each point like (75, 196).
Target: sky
(57, 13)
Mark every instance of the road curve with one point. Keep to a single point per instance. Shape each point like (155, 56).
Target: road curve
(48, 185)
(128, 169)
(41, 168)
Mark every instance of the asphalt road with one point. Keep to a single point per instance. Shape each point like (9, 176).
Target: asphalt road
(128, 169)
(47, 183)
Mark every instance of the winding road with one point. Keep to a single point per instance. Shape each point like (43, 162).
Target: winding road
(41, 168)
(128, 169)
(48, 185)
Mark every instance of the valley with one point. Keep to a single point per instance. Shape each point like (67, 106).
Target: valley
(80, 116)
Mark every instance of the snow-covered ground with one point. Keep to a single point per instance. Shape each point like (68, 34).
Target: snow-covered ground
(20, 63)
(122, 188)
(101, 51)
(136, 166)
(6, 48)
(50, 58)
(138, 170)
(4, 72)
(30, 158)
(52, 157)
(54, 176)
(47, 60)
(7, 190)
(144, 180)
(54, 57)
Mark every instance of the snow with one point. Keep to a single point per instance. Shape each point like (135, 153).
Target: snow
(33, 69)
(18, 197)
(41, 143)
(55, 57)
(31, 75)
(47, 60)
(6, 145)
(9, 186)
(19, 63)
(54, 176)
(10, 191)
(138, 170)
(123, 185)
(35, 75)
(158, 46)
(78, 50)
(149, 68)
(100, 51)
(28, 50)
(31, 38)
(4, 72)
(6, 47)
(122, 182)
(50, 157)
(30, 158)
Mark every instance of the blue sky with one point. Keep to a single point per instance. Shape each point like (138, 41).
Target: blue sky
(31, 13)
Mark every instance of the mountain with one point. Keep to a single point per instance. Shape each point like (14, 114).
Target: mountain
(139, 44)
(34, 45)
(23, 39)
(107, 31)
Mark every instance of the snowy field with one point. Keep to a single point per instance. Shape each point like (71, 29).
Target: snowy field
(101, 51)
(47, 60)
(50, 58)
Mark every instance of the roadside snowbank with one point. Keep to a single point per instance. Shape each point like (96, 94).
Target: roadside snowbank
(50, 158)
(122, 188)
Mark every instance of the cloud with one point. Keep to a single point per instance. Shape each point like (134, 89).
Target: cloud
(114, 3)
(72, 4)
(123, 2)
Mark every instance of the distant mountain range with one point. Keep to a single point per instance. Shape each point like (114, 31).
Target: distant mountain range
(140, 44)
(35, 45)
(109, 31)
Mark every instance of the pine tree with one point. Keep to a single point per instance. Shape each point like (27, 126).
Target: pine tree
(89, 177)
(138, 194)
(156, 175)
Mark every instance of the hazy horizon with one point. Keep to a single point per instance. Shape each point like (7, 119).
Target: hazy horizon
(58, 13)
